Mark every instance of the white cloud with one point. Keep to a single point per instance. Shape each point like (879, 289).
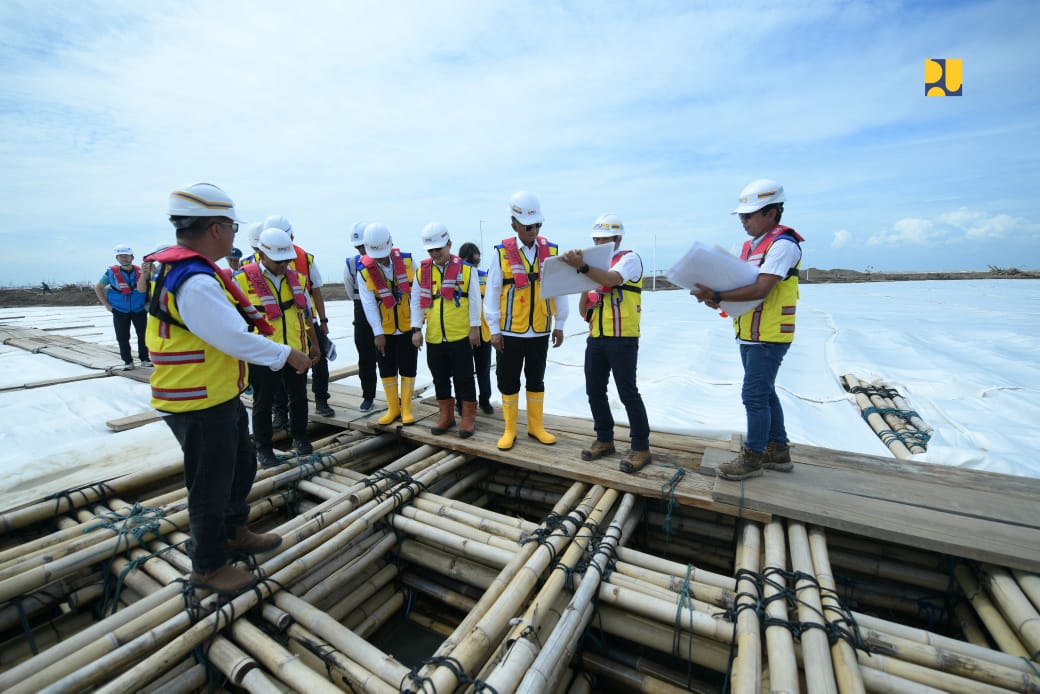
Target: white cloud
(841, 238)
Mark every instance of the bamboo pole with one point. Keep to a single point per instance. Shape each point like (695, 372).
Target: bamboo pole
(747, 666)
(819, 671)
(240, 668)
(323, 573)
(190, 679)
(279, 661)
(932, 678)
(352, 673)
(1014, 605)
(1030, 585)
(1005, 638)
(469, 572)
(895, 422)
(663, 639)
(884, 683)
(381, 615)
(846, 668)
(334, 583)
(783, 665)
(876, 422)
(628, 678)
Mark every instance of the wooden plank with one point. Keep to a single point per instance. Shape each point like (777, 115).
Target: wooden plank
(808, 494)
(133, 421)
(54, 382)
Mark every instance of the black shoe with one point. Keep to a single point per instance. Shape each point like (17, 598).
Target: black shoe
(321, 407)
(458, 406)
(486, 408)
(279, 420)
(302, 446)
(265, 458)
(366, 404)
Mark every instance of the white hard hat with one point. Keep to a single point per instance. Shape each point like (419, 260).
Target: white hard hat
(201, 200)
(123, 249)
(253, 230)
(758, 194)
(357, 234)
(377, 240)
(277, 221)
(607, 225)
(525, 207)
(276, 244)
(435, 235)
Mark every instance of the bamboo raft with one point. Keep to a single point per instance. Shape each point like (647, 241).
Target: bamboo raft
(413, 562)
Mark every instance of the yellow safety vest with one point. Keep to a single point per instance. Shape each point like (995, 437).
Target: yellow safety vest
(485, 329)
(617, 313)
(398, 318)
(189, 374)
(447, 320)
(773, 320)
(291, 327)
(524, 308)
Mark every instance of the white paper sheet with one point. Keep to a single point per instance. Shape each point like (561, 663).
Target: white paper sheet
(558, 278)
(718, 269)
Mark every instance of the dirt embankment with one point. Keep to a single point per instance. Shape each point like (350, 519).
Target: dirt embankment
(83, 295)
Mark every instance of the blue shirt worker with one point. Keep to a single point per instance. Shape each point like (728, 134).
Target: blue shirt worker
(363, 337)
(613, 312)
(199, 336)
(765, 333)
(118, 292)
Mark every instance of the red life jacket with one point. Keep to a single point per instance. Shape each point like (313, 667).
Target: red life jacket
(516, 265)
(596, 295)
(121, 285)
(383, 292)
(270, 303)
(758, 254)
(448, 283)
(175, 254)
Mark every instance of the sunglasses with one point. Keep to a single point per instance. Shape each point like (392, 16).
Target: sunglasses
(528, 227)
(233, 225)
(748, 215)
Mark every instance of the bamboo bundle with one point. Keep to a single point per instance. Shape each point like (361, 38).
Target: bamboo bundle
(278, 660)
(1015, 606)
(1029, 584)
(628, 678)
(846, 669)
(998, 628)
(882, 428)
(747, 666)
(783, 665)
(819, 670)
(900, 425)
(349, 671)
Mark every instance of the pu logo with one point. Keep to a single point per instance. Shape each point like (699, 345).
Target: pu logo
(942, 77)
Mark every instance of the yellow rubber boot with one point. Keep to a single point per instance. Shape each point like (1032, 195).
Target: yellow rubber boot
(510, 411)
(407, 389)
(535, 401)
(393, 404)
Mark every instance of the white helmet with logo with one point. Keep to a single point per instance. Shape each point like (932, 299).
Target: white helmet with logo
(357, 234)
(377, 240)
(201, 200)
(607, 225)
(254, 229)
(758, 194)
(123, 249)
(526, 207)
(277, 221)
(276, 244)
(435, 235)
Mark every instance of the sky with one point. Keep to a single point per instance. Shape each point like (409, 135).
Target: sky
(977, 384)
(407, 112)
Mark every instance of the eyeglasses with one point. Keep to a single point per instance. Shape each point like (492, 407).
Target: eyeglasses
(748, 215)
(233, 225)
(528, 227)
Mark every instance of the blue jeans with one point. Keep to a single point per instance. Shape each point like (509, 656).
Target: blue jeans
(618, 356)
(765, 418)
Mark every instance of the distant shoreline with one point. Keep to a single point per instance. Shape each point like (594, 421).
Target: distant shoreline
(83, 294)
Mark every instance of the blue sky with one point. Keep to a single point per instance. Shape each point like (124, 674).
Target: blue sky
(407, 112)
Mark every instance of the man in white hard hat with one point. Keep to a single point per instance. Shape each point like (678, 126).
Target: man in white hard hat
(613, 312)
(765, 333)
(200, 343)
(521, 321)
(118, 292)
(279, 291)
(385, 286)
(447, 299)
(363, 337)
(304, 264)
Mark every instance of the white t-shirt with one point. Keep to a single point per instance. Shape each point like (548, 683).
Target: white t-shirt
(493, 297)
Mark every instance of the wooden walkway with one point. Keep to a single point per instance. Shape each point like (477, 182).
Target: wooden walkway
(965, 513)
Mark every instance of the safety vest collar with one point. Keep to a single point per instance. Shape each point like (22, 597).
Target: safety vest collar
(449, 281)
(516, 264)
(272, 307)
(120, 279)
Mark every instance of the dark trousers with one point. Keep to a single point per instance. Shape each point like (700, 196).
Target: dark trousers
(265, 383)
(366, 352)
(401, 357)
(452, 361)
(618, 356)
(482, 367)
(320, 371)
(765, 417)
(121, 322)
(219, 468)
(522, 354)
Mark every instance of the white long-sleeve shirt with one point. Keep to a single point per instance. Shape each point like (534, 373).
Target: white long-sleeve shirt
(208, 314)
(371, 305)
(493, 298)
(472, 293)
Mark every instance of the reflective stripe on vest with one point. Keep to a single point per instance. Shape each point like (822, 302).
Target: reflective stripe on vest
(523, 307)
(625, 304)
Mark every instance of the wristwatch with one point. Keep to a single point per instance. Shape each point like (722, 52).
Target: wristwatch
(583, 269)
(716, 298)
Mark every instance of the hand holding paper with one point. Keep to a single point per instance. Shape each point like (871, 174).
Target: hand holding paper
(715, 268)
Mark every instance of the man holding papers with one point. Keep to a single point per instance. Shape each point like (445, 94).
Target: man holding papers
(765, 333)
(521, 320)
(613, 311)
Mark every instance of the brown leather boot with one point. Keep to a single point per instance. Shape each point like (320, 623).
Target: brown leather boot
(227, 580)
(469, 419)
(778, 457)
(245, 540)
(598, 449)
(445, 416)
(748, 463)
